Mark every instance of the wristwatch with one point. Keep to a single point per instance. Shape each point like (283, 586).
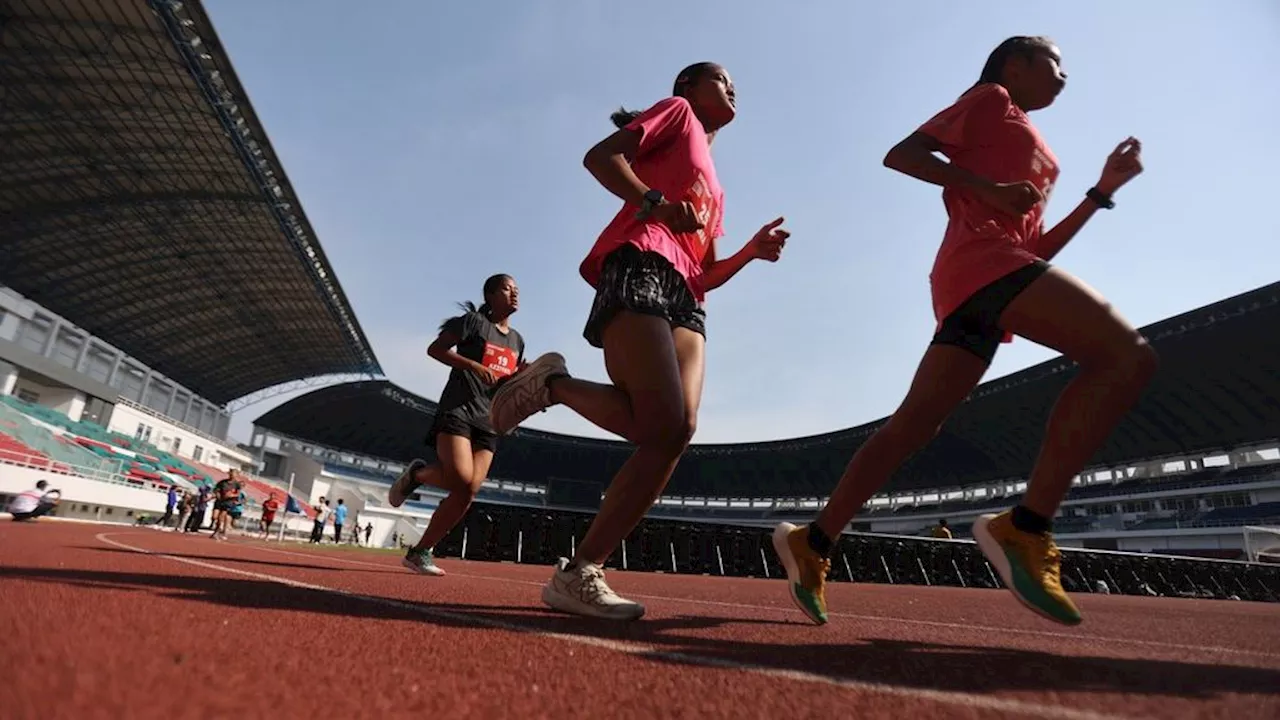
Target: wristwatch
(652, 199)
(1103, 201)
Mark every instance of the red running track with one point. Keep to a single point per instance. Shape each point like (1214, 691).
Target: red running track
(111, 621)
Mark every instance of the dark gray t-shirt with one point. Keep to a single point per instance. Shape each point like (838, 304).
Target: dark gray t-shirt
(465, 395)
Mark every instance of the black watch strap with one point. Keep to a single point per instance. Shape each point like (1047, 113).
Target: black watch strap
(652, 199)
(1102, 201)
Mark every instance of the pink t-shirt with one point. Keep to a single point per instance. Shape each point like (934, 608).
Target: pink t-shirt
(985, 133)
(674, 158)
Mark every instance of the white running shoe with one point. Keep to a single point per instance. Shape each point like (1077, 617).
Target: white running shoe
(583, 591)
(404, 485)
(423, 563)
(525, 393)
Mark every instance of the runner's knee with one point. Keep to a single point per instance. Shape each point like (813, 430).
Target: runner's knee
(1132, 360)
(670, 429)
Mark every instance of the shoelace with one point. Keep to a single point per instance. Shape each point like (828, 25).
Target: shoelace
(1052, 562)
(1047, 550)
(592, 585)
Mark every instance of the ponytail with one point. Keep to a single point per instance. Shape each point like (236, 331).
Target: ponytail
(623, 117)
(467, 307)
(484, 309)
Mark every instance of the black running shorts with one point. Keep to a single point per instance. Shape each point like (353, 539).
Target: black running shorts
(452, 423)
(975, 325)
(642, 282)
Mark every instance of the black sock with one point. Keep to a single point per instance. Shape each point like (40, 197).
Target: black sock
(1029, 522)
(819, 541)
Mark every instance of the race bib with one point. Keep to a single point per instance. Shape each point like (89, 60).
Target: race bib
(502, 361)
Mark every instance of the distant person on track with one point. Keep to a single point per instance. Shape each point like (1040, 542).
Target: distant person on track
(38, 502)
(237, 509)
(651, 269)
(339, 519)
(322, 517)
(185, 506)
(199, 508)
(171, 502)
(270, 507)
(368, 530)
(225, 496)
(992, 280)
(483, 350)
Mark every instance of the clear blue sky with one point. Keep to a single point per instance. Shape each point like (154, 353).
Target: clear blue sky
(433, 144)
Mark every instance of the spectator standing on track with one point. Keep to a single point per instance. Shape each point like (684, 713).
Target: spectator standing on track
(992, 280)
(368, 530)
(184, 511)
(322, 517)
(339, 519)
(34, 503)
(201, 506)
(170, 503)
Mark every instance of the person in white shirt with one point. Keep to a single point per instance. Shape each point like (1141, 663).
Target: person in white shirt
(34, 503)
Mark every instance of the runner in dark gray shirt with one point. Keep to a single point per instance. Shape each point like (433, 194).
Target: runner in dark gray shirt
(483, 350)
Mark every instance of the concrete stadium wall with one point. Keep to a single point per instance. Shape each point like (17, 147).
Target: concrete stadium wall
(125, 420)
(78, 491)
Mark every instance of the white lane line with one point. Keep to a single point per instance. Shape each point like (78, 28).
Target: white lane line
(788, 610)
(976, 702)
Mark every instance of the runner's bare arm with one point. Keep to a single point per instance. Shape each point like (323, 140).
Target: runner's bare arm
(1122, 165)
(609, 163)
(1052, 242)
(914, 156)
(766, 244)
(441, 349)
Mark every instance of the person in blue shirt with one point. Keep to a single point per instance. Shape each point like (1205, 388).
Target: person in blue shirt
(170, 504)
(339, 517)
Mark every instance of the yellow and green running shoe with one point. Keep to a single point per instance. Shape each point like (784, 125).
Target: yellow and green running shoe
(1029, 564)
(806, 570)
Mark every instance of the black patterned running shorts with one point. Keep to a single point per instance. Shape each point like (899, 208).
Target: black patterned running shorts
(642, 282)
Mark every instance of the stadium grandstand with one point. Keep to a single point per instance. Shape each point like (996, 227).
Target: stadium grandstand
(159, 268)
(1184, 473)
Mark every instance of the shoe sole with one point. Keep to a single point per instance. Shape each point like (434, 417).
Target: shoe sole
(556, 601)
(994, 553)
(438, 572)
(525, 384)
(391, 494)
(792, 568)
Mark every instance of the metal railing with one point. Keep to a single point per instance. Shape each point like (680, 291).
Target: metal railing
(44, 463)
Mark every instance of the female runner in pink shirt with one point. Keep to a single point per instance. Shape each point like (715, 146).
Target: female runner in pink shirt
(991, 279)
(651, 268)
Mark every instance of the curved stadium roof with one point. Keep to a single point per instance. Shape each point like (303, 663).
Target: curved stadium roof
(1218, 387)
(142, 200)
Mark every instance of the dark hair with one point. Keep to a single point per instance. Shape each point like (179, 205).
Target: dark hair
(491, 285)
(688, 76)
(1025, 46)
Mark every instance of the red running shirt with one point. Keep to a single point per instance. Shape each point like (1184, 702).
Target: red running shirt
(985, 133)
(673, 157)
